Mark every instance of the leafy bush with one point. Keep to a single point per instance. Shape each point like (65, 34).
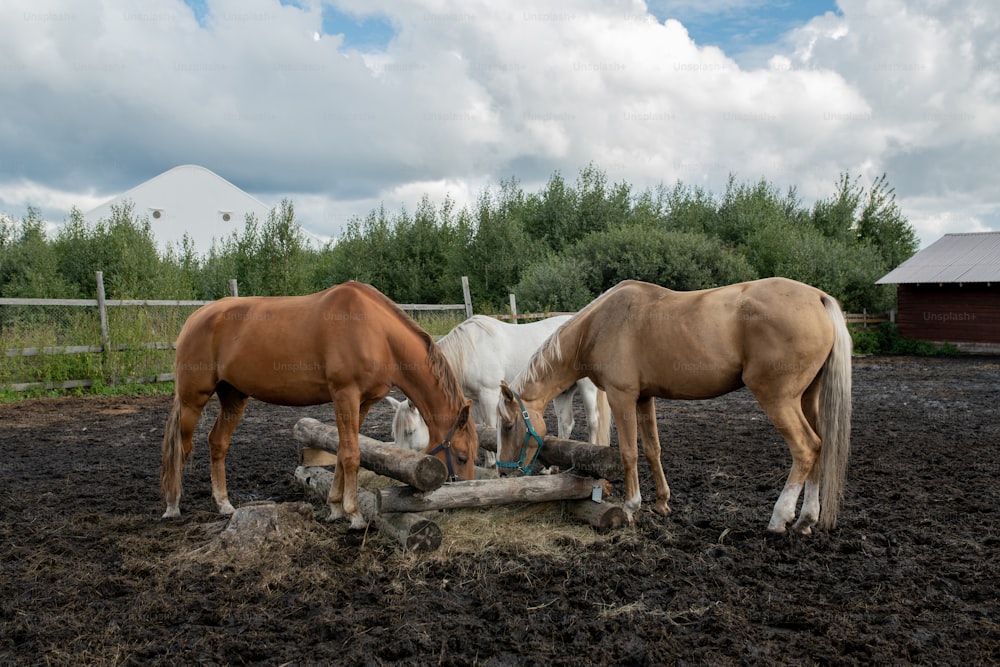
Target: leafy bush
(886, 339)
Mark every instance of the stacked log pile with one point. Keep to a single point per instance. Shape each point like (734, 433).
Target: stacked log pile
(397, 510)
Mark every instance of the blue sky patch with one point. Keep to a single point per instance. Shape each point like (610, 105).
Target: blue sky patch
(371, 33)
(740, 26)
(200, 9)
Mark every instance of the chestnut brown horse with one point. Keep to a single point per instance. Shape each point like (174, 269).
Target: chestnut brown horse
(785, 341)
(348, 344)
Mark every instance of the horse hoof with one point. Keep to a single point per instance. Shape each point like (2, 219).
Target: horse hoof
(358, 523)
(662, 509)
(172, 513)
(226, 508)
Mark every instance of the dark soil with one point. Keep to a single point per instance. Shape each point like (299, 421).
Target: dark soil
(91, 575)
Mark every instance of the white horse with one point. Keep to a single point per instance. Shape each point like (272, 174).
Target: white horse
(484, 352)
(408, 428)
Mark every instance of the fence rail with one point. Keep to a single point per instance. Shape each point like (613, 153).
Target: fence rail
(140, 360)
(30, 328)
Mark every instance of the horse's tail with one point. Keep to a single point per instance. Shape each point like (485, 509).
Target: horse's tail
(835, 417)
(603, 418)
(172, 465)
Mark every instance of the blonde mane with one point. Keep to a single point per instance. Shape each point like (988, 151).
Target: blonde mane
(551, 350)
(541, 360)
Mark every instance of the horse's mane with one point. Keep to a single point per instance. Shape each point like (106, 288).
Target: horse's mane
(458, 342)
(551, 349)
(438, 364)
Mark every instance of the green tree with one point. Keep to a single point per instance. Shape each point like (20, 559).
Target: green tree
(678, 260)
(882, 226)
(266, 259)
(550, 217)
(363, 251)
(494, 245)
(122, 247)
(29, 266)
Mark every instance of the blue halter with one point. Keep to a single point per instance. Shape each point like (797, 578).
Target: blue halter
(446, 447)
(529, 434)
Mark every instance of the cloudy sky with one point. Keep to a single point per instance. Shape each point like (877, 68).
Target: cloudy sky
(344, 104)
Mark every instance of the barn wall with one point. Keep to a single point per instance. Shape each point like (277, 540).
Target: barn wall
(951, 312)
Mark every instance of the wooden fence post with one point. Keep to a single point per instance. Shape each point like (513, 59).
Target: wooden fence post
(103, 310)
(513, 308)
(468, 296)
(233, 287)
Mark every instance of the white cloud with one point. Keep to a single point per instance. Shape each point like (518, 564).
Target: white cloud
(98, 99)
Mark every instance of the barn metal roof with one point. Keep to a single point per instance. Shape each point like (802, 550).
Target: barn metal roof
(954, 258)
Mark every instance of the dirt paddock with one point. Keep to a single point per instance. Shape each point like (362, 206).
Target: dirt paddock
(91, 575)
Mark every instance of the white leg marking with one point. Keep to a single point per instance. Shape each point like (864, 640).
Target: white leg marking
(784, 509)
(810, 510)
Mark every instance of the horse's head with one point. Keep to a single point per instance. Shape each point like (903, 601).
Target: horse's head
(520, 430)
(460, 446)
(409, 430)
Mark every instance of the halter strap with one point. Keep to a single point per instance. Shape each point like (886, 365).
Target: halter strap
(445, 446)
(529, 434)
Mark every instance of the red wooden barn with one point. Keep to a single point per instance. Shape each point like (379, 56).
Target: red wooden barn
(950, 292)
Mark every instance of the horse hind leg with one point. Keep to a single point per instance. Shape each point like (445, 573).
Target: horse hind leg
(178, 439)
(809, 514)
(803, 443)
(231, 406)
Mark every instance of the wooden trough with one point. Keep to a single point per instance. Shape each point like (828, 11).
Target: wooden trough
(394, 510)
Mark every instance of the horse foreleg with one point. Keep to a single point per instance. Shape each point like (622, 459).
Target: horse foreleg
(591, 407)
(623, 408)
(646, 418)
(563, 404)
(343, 498)
(484, 412)
(231, 406)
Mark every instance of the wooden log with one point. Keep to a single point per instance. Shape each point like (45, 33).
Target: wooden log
(312, 457)
(603, 516)
(487, 492)
(412, 531)
(582, 457)
(414, 468)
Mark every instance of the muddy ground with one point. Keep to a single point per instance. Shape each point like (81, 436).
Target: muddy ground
(91, 575)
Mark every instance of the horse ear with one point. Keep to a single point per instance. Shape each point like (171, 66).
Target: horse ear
(393, 402)
(463, 414)
(508, 395)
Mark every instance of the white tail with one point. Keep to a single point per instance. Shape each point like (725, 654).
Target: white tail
(835, 418)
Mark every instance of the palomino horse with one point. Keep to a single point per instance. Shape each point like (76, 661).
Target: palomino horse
(785, 341)
(348, 344)
(484, 352)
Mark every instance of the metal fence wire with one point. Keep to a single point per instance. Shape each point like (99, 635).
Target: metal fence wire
(71, 343)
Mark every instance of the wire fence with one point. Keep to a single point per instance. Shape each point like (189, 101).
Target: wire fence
(72, 343)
